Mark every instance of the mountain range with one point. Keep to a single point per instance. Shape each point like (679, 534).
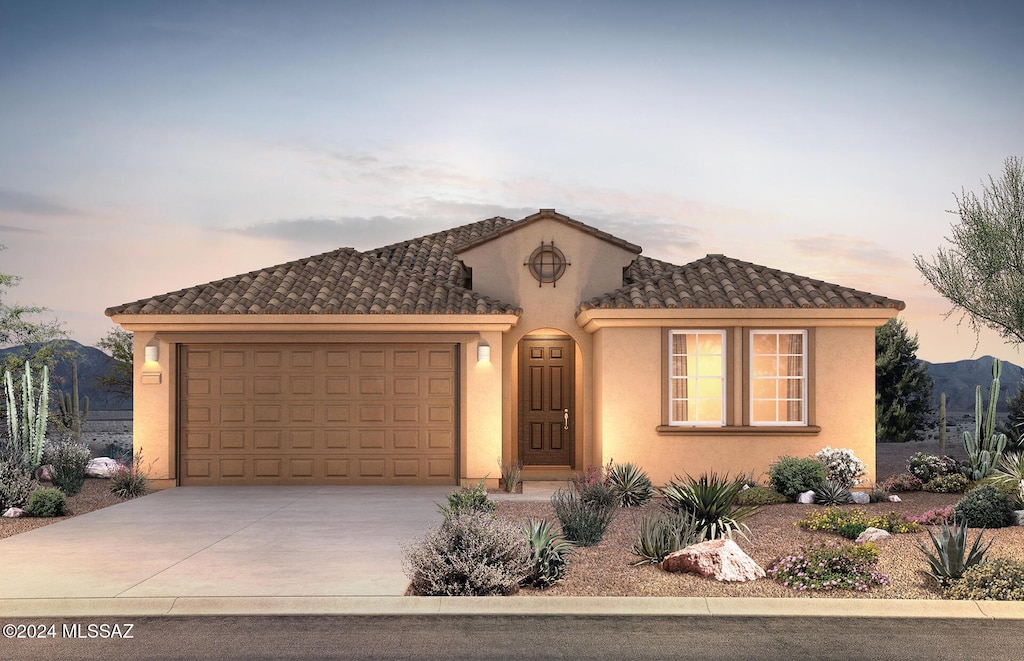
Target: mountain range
(960, 378)
(92, 364)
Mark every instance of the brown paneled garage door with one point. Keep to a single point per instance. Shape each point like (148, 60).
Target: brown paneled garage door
(317, 414)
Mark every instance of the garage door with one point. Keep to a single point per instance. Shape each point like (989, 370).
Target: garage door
(317, 414)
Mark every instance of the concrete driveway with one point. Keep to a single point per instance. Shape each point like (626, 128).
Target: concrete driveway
(226, 542)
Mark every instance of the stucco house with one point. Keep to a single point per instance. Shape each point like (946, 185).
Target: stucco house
(541, 340)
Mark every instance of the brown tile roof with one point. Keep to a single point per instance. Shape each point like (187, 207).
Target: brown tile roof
(551, 214)
(344, 281)
(720, 282)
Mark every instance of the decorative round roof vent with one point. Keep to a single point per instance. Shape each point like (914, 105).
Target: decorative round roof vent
(547, 263)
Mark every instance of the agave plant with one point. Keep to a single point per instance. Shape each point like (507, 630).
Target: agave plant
(951, 557)
(630, 484)
(711, 501)
(665, 533)
(549, 553)
(831, 492)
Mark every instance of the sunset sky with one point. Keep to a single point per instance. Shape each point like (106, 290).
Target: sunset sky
(150, 146)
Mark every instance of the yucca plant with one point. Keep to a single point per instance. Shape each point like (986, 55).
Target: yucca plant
(711, 501)
(831, 492)
(1009, 475)
(630, 484)
(549, 553)
(584, 516)
(951, 557)
(665, 533)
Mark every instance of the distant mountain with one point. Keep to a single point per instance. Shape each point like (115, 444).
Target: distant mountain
(92, 364)
(959, 380)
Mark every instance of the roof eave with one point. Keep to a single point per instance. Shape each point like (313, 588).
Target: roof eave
(501, 322)
(594, 319)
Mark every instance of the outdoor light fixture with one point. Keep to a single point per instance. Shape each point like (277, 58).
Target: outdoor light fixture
(483, 352)
(152, 353)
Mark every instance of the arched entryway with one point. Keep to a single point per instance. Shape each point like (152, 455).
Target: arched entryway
(547, 400)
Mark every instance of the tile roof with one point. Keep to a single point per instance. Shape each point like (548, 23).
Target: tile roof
(344, 281)
(551, 214)
(720, 282)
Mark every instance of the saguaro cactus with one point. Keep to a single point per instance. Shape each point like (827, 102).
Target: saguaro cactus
(27, 426)
(73, 412)
(985, 446)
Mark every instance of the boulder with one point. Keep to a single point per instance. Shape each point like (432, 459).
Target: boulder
(1020, 517)
(101, 467)
(14, 513)
(721, 559)
(895, 499)
(872, 535)
(860, 497)
(44, 473)
(807, 498)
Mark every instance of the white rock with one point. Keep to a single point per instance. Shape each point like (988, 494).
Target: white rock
(895, 499)
(860, 497)
(807, 498)
(721, 559)
(14, 513)
(101, 467)
(1020, 517)
(872, 535)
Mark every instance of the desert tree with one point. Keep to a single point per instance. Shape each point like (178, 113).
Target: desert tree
(119, 377)
(903, 389)
(981, 271)
(19, 327)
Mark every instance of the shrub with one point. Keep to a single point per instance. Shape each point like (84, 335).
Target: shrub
(878, 495)
(1009, 474)
(584, 516)
(469, 554)
(467, 500)
(68, 460)
(902, 482)
(630, 485)
(549, 553)
(710, 499)
(791, 476)
(999, 579)
(842, 466)
(828, 566)
(926, 467)
(15, 484)
(511, 475)
(759, 495)
(130, 481)
(985, 507)
(951, 557)
(663, 534)
(851, 522)
(953, 483)
(831, 492)
(47, 503)
(934, 517)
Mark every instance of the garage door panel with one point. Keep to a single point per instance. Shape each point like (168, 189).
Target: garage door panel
(292, 414)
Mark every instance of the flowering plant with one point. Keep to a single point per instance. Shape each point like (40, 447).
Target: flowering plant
(842, 466)
(934, 517)
(829, 566)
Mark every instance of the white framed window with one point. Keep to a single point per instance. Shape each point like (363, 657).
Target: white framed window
(696, 393)
(778, 377)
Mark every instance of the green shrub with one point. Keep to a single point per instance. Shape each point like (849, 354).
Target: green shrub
(828, 566)
(584, 515)
(47, 503)
(468, 499)
(710, 499)
(791, 476)
(831, 492)
(511, 475)
(927, 467)
(469, 554)
(665, 533)
(951, 556)
(630, 484)
(953, 483)
(68, 460)
(985, 507)
(851, 522)
(129, 480)
(878, 495)
(902, 482)
(15, 484)
(998, 579)
(549, 553)
(759, 495)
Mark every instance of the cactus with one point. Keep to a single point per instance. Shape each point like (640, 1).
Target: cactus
(73, 412)
(985, 446)
(942, 423)
(27, 426)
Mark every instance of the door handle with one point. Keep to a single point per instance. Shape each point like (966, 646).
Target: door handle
(566, 418)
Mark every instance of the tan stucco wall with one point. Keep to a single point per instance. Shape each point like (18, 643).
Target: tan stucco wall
(629, 393)
(152, 410)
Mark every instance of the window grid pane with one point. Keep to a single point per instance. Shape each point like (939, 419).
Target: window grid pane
(778, 377)
(696, 377)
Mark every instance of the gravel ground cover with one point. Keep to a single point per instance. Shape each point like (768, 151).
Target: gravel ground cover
(95, 495)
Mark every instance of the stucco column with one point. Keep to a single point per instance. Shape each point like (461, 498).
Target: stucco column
(152, 437)
(481, 434)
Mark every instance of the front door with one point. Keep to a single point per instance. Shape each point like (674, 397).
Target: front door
(547, 397)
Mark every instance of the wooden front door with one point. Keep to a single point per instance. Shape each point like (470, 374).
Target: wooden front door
(547, 398)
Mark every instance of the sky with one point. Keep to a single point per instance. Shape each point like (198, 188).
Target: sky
(150, 146)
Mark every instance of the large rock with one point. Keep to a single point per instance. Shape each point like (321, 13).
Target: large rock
(807, 498)
(14, 513)
(721, 559)
(895, 499)
(101, 467)
(872, 535)
(44, 473)
(1020, 517)
(860, 498)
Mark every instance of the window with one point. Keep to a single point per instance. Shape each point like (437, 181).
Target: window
(778, 377)
(696, 378)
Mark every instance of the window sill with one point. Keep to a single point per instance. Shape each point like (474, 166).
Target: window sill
(672, 430)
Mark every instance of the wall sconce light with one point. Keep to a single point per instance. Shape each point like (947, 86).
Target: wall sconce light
(483, 352)
(152, 353)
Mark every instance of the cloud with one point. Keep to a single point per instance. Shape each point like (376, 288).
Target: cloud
(329, 233)
(20, 230)
(851, 249)
(35, 205)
